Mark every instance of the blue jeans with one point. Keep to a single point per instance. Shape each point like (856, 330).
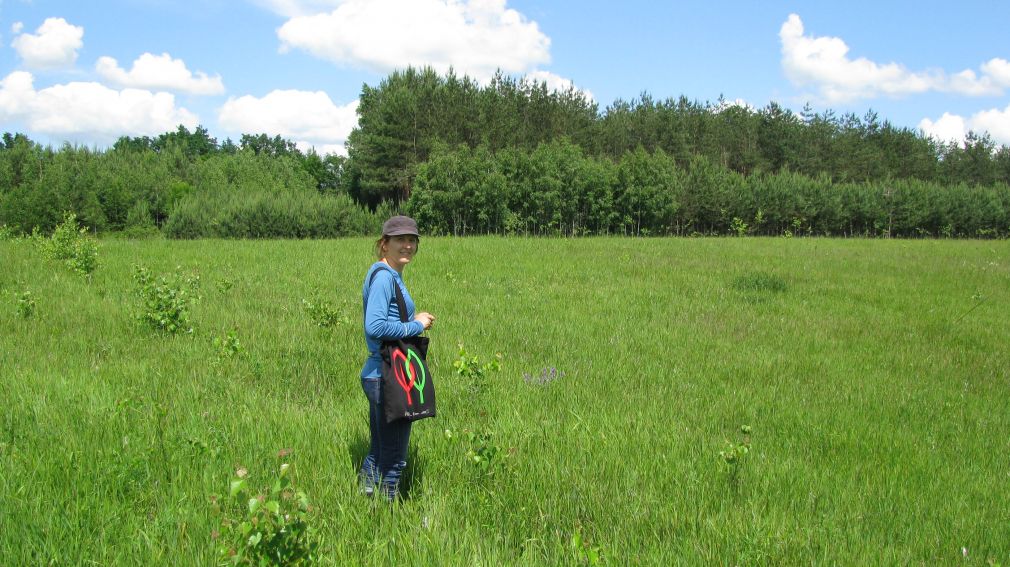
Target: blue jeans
(387, 452)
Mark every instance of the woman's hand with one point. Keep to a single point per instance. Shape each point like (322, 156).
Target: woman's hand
(426, 319)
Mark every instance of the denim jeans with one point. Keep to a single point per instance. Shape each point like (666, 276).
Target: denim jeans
(387, 453)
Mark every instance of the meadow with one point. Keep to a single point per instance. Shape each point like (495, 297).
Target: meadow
(730, 401)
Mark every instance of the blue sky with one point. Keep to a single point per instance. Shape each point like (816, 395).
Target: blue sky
(89, 72)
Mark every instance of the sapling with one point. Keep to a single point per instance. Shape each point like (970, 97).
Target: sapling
(483, 452)
(470, 368)
(738, 226)
(166, 302)
(584, 551)
(268, 527)
(734, 455)
(323, 314)
(224, 285)
(26, 304)
(227, 347)
(72, 245)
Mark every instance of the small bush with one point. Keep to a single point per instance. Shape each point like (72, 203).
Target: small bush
(73, 246)
(269, 528)
(738, 226)
(227, 347)
(482, 454)
(261, 213)
(166, 300)
(734, 455)
(224, 285)
(323, 314)
(583, 551)
(26, 304)
(469, 368)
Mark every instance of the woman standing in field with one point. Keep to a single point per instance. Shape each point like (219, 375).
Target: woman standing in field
(387, 453)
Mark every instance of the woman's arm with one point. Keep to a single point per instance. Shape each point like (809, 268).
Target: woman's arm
(380, 295)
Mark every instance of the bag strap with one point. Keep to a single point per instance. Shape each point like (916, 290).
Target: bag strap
(400, 303)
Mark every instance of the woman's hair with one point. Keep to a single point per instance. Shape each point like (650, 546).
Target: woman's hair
(378, 246)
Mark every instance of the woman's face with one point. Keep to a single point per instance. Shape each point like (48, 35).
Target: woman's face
(398, 251)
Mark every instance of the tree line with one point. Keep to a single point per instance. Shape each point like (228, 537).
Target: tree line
(556, 189)
(414, 111)
(512, 156)
(183, 184)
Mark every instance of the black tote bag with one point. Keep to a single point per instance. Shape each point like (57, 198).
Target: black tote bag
(408, 391)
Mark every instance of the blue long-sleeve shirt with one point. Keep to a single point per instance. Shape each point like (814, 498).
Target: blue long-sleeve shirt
(382, 316)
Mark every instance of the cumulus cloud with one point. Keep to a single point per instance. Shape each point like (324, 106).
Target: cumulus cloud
(89, 110)
(994, 121)
(999, 70)
(824, 64)
(474, 37)
(311, 119)
(54, 44)
(948, 128)
(557, 83)
(953, 128)
(159, 72)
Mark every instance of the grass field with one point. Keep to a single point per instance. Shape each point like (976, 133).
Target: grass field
(873, 376)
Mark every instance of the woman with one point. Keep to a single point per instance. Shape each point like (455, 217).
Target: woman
(387, 454)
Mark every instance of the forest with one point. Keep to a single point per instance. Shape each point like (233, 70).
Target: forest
(514, 157)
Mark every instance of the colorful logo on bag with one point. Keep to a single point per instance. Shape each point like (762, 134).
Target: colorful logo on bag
(409, 372)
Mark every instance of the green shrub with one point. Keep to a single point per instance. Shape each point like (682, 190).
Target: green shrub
(26, 304)
(73, 246)
(734, 456)
(469, 368)
(323, 314)
(284, 213)
(227, 347)
(166, 301)
(271, 527)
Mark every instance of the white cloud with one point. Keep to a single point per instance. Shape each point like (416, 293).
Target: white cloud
(824, 64)
(54, 44)
(159, 72)
(954, 128)
(557, 83)
(308, 118)
(948, 128)
(292, 8)
(89, 110)
(999, 70)
(967, 82)
(474, 37)
(994, 121)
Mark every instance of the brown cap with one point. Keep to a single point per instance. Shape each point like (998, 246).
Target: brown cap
(398, 225)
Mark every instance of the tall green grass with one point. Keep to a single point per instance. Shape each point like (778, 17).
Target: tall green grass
(873, 376)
